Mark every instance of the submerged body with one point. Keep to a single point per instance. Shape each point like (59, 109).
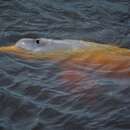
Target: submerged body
(111, 59)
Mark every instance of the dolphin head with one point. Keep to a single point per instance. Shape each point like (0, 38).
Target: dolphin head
(50, 45)
(43, 47)
(34, 45)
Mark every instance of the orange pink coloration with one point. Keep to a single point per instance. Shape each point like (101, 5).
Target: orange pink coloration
(105, 58)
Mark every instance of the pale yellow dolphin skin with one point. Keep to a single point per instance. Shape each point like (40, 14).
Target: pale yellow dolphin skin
(111, 58)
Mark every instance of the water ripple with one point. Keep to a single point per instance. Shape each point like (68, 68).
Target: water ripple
(50, 95)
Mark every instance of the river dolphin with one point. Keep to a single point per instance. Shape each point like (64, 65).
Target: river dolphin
(108, 57)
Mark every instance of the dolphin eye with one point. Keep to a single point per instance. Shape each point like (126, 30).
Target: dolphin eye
(38, 41)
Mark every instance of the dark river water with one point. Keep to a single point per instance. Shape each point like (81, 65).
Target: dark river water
(47, 95)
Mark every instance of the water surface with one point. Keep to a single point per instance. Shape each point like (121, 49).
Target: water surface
(51, 95)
